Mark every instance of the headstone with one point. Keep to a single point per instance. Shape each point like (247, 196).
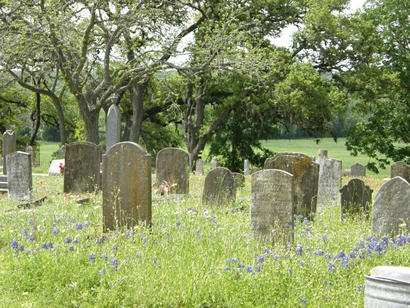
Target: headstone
(55, 167)
(214, 163)
(82, 167)
(356, 197)
(246, 167)
(20, 181)
(358, 170)
(173, 168)
(113, 126)
(190, 162)
(9, 146)
(199, 168)
(126, 186)
(238, 179)
(272, 205)
(330, 180)
(391, 208)
(347, 172)
(61, 151)
(400, 168)
(219, 188)
(306, 177)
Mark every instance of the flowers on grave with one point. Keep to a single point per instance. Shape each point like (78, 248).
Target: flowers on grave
(61, 166)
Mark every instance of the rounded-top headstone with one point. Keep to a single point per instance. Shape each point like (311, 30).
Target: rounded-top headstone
(400, 168)
(356, 198)
(219, 187)
(113, 126)
(9, 146)
(358, 170)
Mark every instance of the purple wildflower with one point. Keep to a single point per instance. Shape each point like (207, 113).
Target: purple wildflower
(14, 244)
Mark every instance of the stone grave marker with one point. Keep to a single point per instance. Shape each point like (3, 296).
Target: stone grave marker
(219, 188)
(238, 179)
(173, 168)
(400, 168)
(356, 197)
(126, 186)
(214, 163)
(272, 205)
(54, 168)
(82, 167)
(306, 176)
(246, 167)
(330, 180)
(358, 170)
(199, 168)
(19, 177)
(113, 126)
(347, 172)
(30, 150)
(61, 151)
(9, 146)
(391, 208)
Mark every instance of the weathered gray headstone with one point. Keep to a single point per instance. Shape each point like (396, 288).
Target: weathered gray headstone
(214, 163)
(246, 167)
(9, 146)
(55, 168)
(199, 168)
(306, 177)
(272, 205)
(126, 186)
(173, 168)
(113, 126)
(347, 172)
(400, 168)
(356, 197)
(61, 151)
(219, 188)
(358, 170)
(391, 208)
(19, 177)
(82, 167)
(330, 180)
(238, 179)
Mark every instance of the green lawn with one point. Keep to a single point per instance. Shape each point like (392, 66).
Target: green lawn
(46, 150)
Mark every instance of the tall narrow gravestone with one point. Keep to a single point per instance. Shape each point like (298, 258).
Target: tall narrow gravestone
(199, 167)
(272, 205)
(391, 208)
(246, 167)
(173, 168)
(9, 146)
(356, 197)
(330, 180)
(82, 167)
(400, 168)
(358, 170)
(126, 185)
(219, 188)
(306, 176)
(20, 181)
(113, 126)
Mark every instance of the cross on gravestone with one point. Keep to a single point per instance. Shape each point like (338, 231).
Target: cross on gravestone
(391, 208)
(126, 186)
(246, 167)
(330, 180)
(113, 126)
(19, 177)
(356, 198)
(172, 166)
(358, 170)
(199, 167)
(214, 163)
(400, 168)
(219, 188)
(306, 177)
(82, 167)
(272, 205)
(9, 146)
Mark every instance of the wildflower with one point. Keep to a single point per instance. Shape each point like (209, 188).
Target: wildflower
(328, 256)
(261, 259)
(47, 246)
(241, 265)
(276, 258)
(67, 240)
(226, 269)
(115, 247)
(234, 260)
(101, 240)
(138, 254)
(267, 251)
(249, 269)
(299, 250)
(331, 267)
(318, 253)
(31, 222)
(306, 220)
(101, 272)
(303, 300)
(71, 248)
(302, 263)
(92, 257)
(352, 255)
(78, 226)
(14, 244)
(343, 215)
(24, 232)
(290, 271)
(21, 248)
(113, 262)
(360, 288)
(178, 224)
(85, 224)
(258, 268)
(55, 231)
(324, 238)
(104, 256)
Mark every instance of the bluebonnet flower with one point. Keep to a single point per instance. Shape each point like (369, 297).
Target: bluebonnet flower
(101, 272)
(85, 224)
(276, 258)
(178, 223)
(302, 263)
(24, 232)
(318, 253)
(401, 239)
(286, 256)
(299, 250)
(115, 247)
(345, 261)
(307, 249)
(298, 218)
(306, 220)
(324, 238)
(92, 257)
(267, 251)
(331, 267)
(303, 300)
(241, 265)
(213, 219)
(78, 226)
(31, 222)
(360, 288)
(261, 259)
(104, 256)
(14, 244)
(21, 248)
(234, 260)
(328, 256)
(130, 234)
(226, 269)
(113, 262)
(47, 246)
(249, 269)
(55, 231)
(67, 240)
(75, 241)
(258, 268)
(352, 255)
(71, 248)
(101, 240)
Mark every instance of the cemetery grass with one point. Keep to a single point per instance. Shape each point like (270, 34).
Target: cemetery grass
(57, 255)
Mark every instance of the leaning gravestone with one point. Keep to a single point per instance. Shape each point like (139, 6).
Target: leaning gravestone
(272, 205)
(219, 187)
(246, 167)
(126, 185)
(82, 167)
(214, 163)
(9, 146)
(391, 208)
(113, 126)
(358, 170)
(400, 168)
(356, 198)
(238, 179)
(55, 166)
(20, 181)
(199, 167)
(306, 177)
(330, 180)
(173, 168)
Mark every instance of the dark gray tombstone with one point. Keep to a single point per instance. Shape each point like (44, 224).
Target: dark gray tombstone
(219, 188)
(238, 179)
(173, 168)
(9, 146)
(246, 167)
(330, 180)
(214, 163)
(391, 208)
(306, 177)
(82, 167)
(126, 185)
(401, 169)
(358, 170)
(199, 167)
(272, 205)
(356, 198)
(113, 126)
(19, 177)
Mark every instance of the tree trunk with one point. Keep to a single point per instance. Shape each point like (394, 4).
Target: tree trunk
(138, 92)
(35, 117)
(60, 116)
